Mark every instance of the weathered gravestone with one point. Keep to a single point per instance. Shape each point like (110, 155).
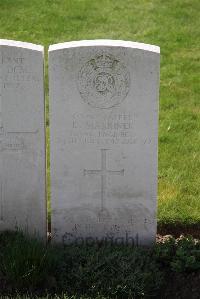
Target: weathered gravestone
(22, 138)
(104, 113)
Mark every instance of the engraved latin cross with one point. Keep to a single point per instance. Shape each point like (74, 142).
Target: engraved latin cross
(103, 172)
(9, 141)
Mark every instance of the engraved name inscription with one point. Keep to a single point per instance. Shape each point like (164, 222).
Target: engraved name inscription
(16, 72)
(106, 130)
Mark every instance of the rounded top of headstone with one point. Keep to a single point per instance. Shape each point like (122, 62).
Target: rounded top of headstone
(104, 43)
(18, 44)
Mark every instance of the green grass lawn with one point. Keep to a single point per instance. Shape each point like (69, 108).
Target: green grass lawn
(171, 24)
(102, 270)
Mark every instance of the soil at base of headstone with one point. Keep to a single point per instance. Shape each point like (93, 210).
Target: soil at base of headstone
(176, 229)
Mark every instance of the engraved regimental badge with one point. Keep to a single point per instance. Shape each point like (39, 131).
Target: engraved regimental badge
(103, 81)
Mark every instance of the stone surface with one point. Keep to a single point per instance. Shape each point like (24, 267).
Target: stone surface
(22, 138)
(103, 116)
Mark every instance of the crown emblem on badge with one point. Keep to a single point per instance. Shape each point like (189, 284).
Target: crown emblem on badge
(103, 81)
(104, 61)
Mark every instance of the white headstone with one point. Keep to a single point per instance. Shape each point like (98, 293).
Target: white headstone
(103, 122)
(22, 138)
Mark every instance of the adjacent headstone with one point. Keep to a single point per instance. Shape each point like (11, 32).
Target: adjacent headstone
(103, 122)
(22, 138)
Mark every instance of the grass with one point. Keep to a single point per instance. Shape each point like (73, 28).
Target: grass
(171, 24)
(48, 297)
(28, 267)
(63, 296)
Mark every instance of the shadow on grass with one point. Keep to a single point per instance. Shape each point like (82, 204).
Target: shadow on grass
(28, 266)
